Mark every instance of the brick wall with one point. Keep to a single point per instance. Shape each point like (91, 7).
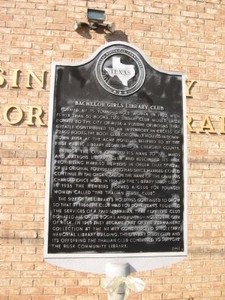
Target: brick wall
(175, 35)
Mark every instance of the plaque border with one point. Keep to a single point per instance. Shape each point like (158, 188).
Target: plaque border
(95, 262)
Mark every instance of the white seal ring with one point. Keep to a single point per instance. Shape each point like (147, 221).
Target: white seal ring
(120, 71)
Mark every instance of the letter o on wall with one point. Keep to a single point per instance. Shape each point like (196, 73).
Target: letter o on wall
(17, 114)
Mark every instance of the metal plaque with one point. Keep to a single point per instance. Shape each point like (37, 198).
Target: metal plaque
(116, 186)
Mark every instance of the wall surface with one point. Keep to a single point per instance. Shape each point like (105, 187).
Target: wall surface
(175, 35)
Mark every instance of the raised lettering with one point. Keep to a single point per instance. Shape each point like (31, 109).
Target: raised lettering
(35, 116)
(189, 86)
(15, 78)
(16, 118)
(32, 75)
(222, 125)
(2, 79)
(207, 126)
(189, 124)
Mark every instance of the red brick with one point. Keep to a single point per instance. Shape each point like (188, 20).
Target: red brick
(176, 35)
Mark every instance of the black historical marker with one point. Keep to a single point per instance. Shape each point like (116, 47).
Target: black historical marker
(116, 157)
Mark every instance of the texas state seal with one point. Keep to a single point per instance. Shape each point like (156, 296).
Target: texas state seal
(120, 71)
